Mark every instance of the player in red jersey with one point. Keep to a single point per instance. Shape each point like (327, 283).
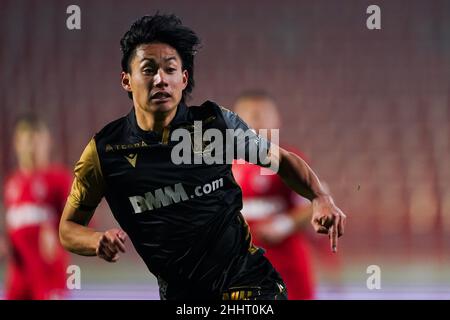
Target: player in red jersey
(34, 197)
(274, 212)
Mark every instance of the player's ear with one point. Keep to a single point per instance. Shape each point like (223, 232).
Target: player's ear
(185, 79)
(125, 80)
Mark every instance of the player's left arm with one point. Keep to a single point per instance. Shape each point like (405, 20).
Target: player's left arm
(327, 218)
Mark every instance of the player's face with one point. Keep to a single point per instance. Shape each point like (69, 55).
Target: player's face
(32, 146)
(258, 113)
(157, 79)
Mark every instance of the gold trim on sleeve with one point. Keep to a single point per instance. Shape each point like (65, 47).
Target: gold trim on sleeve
(88, 186)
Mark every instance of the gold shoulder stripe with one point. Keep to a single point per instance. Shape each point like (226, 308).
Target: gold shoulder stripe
(88, 186)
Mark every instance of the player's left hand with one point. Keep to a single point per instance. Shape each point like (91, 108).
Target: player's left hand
(327, 218)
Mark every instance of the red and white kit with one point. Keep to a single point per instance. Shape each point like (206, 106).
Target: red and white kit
(34, 202)
(265, 198)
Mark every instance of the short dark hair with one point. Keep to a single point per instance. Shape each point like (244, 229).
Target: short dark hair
(29, 122)
(166, 29)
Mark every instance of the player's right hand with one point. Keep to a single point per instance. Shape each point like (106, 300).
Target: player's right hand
(110, 243)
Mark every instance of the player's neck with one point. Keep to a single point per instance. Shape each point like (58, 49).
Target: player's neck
(154, 121)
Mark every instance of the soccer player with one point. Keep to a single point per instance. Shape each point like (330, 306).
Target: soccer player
(34, 197)
(182, 217)
(274, 213)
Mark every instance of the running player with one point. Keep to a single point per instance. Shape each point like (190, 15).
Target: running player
(182, 217)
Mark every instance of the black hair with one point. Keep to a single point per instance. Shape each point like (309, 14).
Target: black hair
(29, 121)
(166, 29)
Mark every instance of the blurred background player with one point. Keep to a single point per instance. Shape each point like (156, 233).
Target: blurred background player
(34, 196)
(274, 212)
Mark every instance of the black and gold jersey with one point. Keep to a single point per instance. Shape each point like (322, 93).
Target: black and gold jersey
(183, 218)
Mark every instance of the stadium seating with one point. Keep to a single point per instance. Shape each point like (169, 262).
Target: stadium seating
(371, 109)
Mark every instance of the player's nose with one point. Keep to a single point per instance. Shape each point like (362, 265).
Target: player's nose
(159, 78)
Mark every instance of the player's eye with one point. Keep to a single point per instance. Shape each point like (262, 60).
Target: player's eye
(148, 70)
(171, 70)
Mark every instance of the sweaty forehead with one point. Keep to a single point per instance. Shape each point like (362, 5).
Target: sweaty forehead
(157, 52)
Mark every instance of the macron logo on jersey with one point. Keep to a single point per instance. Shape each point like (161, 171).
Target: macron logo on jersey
(168, 195)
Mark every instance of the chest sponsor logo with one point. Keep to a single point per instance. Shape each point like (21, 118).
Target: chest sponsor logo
(168, 195)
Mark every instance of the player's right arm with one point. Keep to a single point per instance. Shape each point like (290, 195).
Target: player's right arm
(74, 234)
(85, 195)
(78, 238)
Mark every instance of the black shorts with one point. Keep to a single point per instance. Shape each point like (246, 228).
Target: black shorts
(263, 283)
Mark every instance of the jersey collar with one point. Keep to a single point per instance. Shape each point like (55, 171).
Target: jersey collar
(181, 116)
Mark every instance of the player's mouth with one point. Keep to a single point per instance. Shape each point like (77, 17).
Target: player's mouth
(160, 96)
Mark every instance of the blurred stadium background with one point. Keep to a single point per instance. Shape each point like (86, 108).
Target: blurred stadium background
(371, 109)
